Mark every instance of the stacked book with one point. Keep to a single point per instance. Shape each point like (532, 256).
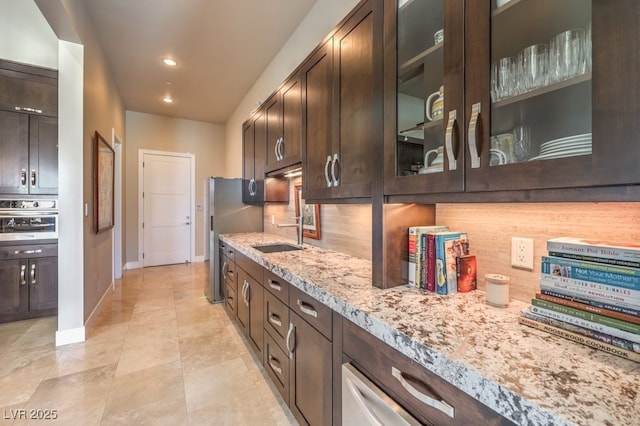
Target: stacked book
(590, 293)
(439, 260)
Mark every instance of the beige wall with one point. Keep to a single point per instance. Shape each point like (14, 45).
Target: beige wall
(153, 132)
(103, 111)
(491, 226)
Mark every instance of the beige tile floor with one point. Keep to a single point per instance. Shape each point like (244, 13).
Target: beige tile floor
(158, 354)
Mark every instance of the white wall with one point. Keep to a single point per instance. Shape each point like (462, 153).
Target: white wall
(320, 20)
(25, 35)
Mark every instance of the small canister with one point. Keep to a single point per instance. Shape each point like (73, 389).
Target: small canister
(497, 290)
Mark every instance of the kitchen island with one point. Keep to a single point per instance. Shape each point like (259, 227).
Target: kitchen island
(526, 375)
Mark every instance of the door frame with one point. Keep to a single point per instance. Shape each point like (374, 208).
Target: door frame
(116, 236)
(192, 212)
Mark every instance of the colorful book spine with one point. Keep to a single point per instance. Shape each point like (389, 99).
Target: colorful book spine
(599, 292)
(453, 249)
(586, 324)
(466, 270)
(440, 258)
(604, 260)
(598, 248)
(415, 251)
(588, 316)
(618, 276)
(606, 338)
(589, 308)
(592, 303)
(431, 262)
(575, 337)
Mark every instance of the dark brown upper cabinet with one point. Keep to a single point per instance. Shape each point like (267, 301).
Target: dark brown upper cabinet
(253, 155)
(342, 109)
(284, 126)
(28, 89)
(543, 108)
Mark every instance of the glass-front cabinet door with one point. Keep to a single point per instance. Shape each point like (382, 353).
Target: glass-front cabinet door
(545, 94)
(426, 97)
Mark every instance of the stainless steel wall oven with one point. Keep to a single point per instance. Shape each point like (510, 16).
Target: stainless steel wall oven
(28, 220)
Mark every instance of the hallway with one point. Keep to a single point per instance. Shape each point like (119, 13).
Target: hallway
(159, 354)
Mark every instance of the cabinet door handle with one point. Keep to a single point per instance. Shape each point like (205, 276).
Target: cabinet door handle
(275, 285)
(23, 274)
(23, 177)
(357, 395)
(274, 367)
(27, 251)
(290, 334)
(275, 319)
(431, 401)
(307, 309)
(451, 146)
(33, 273)
(33, 178)
(276, 150)
(29, 109)
(281, 149)
(225, 269)
(245, 287)
(473, 136)
(326, 172)
(252, 187)
(336, 178)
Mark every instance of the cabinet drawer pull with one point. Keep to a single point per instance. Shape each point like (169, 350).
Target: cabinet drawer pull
(275, 285)
(27, 251)
(275, 319)
(33, 177)
(334, 176)
(23, 274)
(451, 145)
(307, 309)
(473, 136)
(429, 400)
(291, 333)
(23, 177)
(274, 367)
(369, 414)
(33, 273)
(326, 172)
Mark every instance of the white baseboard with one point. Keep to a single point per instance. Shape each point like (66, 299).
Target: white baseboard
(72, 335)
(198, 259)
(132, 265)
(88, 324)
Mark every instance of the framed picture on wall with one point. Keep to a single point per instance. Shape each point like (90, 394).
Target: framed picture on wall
(310, 215)
(103, 178)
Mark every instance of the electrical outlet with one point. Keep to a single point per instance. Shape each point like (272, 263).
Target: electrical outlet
(522, 253)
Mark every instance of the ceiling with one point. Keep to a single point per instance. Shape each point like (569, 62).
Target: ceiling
(221, 48)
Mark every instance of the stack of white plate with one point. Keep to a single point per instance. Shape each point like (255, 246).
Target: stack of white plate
(565, 147)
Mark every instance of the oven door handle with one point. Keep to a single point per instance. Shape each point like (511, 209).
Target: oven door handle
(34, 213)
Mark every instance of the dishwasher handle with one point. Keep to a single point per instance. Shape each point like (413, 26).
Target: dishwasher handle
(430, 400)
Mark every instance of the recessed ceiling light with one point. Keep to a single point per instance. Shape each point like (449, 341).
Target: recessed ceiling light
(170, 62)
(167, 100)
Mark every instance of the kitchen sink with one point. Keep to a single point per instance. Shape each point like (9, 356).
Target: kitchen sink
(277, 247)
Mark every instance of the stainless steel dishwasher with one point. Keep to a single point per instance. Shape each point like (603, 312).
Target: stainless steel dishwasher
(363, 403)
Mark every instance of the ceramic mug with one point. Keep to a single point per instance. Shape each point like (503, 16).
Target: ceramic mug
(497, 157)
(437, 160)
(435, 111)
(438, 37)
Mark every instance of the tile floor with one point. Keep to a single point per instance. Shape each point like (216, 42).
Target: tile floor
(158, 354)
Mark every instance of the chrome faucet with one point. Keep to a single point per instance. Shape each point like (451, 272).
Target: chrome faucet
(300, 225)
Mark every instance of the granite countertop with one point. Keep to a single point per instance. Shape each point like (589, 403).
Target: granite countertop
(524, 374)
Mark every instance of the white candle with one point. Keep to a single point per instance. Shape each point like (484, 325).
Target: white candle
(497, 290)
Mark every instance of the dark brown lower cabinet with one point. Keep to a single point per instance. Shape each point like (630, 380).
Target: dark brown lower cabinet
(276, 363)
(311, 384)
(402, 379)
(28, 284)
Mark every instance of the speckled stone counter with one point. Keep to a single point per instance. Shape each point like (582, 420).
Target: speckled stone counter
(524, 374)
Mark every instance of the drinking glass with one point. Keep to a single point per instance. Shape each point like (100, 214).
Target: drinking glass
(503, 78)
(522, 142)
(587, 49)
(567, 54)
(534, 71)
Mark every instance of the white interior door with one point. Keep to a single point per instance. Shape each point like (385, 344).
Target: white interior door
(166, 197)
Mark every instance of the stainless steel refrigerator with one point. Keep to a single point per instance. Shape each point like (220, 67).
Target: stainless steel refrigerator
(227, 214)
